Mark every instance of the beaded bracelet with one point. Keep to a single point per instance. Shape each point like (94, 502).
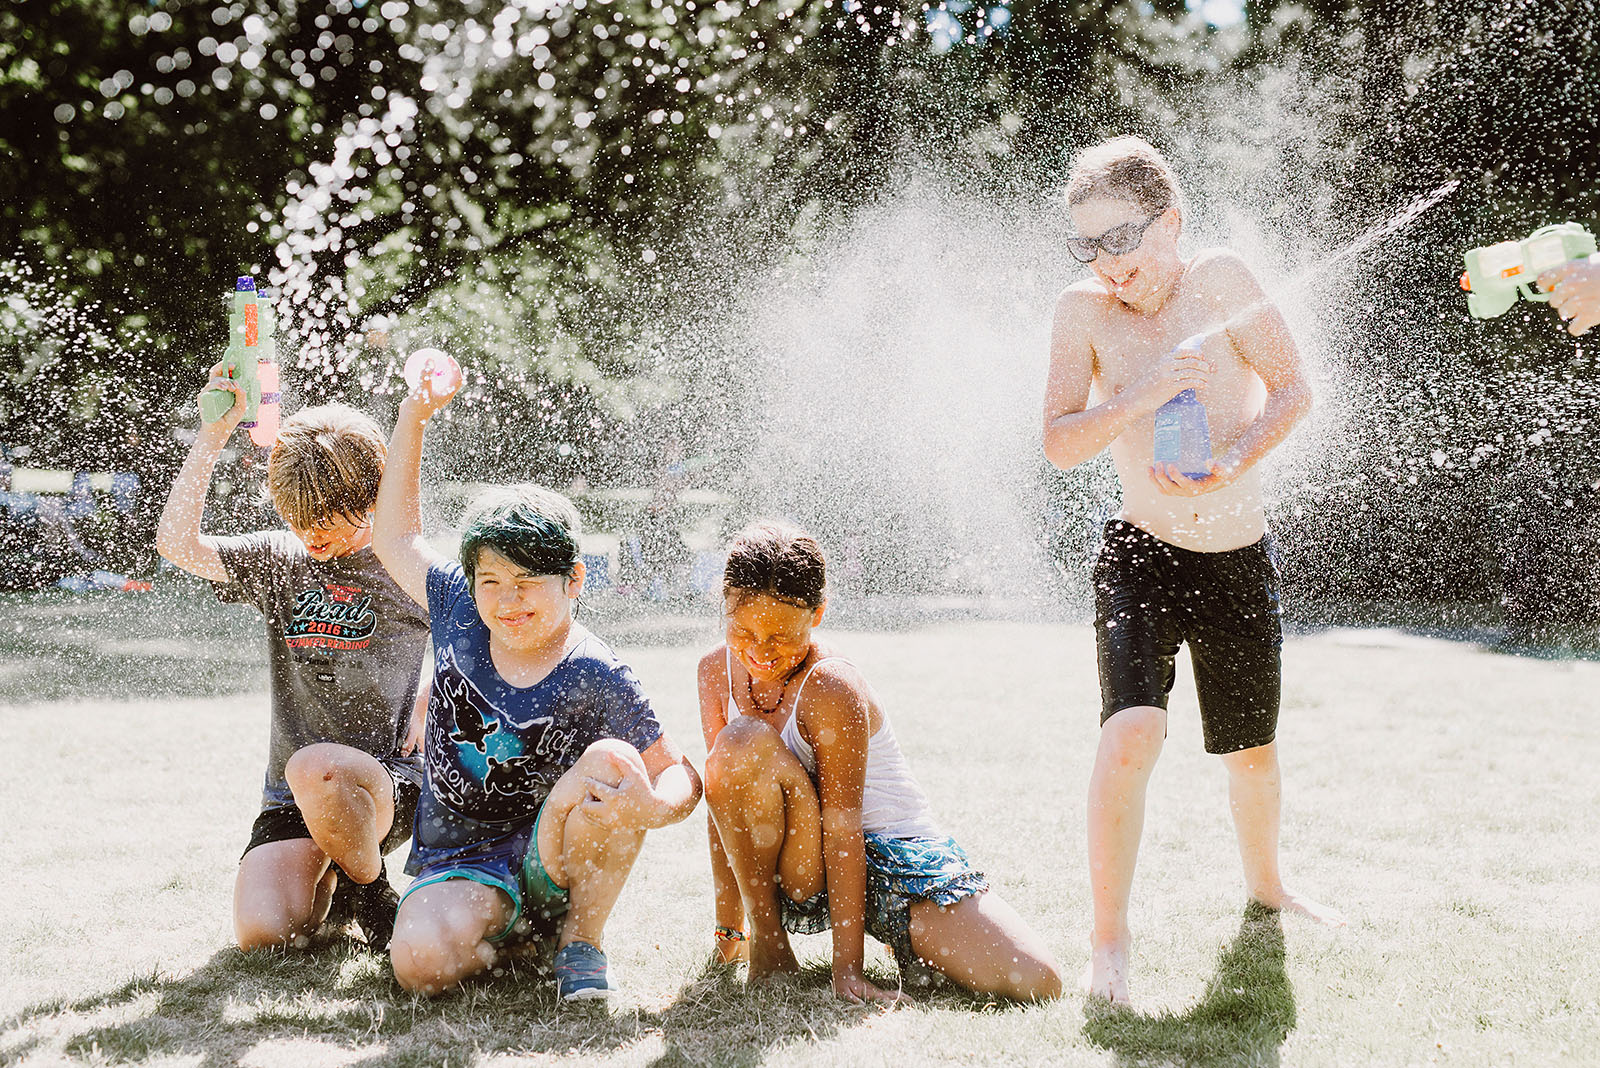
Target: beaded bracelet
(731, 934)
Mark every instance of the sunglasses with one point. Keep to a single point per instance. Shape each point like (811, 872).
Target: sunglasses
(1118, 241)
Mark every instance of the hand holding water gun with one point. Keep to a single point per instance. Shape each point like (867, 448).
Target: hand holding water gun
(244, 385)
(1574, 290)
(1496, 274)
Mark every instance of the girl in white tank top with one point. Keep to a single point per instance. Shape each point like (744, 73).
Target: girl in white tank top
(817, 822)
(892, 803)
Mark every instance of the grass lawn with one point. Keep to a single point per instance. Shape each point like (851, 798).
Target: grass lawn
(1444, 796)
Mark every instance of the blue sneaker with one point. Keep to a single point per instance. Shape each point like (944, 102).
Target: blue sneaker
(581, 973)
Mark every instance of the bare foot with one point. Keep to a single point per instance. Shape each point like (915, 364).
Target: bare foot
(770, 960)
(1107, 975)
(1287, 901)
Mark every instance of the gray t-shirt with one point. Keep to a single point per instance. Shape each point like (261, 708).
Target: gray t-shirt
(346, 646)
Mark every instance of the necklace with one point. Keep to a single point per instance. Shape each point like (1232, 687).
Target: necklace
(783, 690)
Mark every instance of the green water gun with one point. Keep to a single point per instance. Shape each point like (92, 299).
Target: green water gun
(251, 359)
(1495, 274)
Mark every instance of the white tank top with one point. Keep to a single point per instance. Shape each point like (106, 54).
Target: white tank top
(892, 804)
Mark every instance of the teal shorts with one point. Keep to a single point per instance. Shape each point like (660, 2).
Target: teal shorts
(511, 865)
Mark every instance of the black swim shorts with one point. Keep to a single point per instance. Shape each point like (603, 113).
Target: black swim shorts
(1151, 596)
(284, 823)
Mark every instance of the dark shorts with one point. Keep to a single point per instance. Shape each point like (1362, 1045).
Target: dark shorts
(1150, 597)
(900, 872)
(285, 822)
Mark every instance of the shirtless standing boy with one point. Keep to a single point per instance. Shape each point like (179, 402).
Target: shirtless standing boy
(1187, 559)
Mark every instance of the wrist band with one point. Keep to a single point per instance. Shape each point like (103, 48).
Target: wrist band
(731, 934)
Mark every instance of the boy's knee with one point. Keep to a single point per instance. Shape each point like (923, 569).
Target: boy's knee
(418, 967)
(312, 766)
(1134, 732)
(429, 954)
(1257, 762)
(613, 753)
(258, 929)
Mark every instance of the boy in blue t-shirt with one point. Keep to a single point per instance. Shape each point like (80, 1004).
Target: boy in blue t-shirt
(545, 764)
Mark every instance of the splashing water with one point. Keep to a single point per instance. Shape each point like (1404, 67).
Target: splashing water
(900, 413)
(898, 395)
(1338, 259)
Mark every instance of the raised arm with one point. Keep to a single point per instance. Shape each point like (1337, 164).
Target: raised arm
(837, 720)
(712, 684)
(1074, 432)
(397, 519)
(178, 536)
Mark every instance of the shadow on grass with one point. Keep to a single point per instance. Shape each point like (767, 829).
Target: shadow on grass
(717, 1019)
(341, 1000)
(1243, 1018)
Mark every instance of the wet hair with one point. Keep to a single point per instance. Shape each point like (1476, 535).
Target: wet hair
(535, 528)
(778, 560)
(1124, 168)
(326, 465)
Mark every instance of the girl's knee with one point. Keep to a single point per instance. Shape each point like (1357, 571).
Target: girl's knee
(742, 746)
(1036, 980)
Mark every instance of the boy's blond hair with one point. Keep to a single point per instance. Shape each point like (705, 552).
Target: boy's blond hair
(326, 465)
(1124, 168)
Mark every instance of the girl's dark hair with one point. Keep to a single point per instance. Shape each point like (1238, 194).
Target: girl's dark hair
(779, 560)
(535, 528)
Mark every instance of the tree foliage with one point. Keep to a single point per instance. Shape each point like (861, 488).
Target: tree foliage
(566, 191)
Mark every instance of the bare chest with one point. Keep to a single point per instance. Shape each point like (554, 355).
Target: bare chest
(1129, 347)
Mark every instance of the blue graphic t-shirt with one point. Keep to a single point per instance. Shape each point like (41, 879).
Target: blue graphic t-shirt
(494, 750)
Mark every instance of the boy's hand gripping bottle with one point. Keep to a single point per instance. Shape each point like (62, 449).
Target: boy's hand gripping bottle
(1182, 435)
(1495, 274)
(251, 359)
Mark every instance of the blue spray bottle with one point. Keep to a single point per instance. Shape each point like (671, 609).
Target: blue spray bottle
(1182, 435)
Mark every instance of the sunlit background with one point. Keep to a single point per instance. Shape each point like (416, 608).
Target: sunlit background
(799, 256)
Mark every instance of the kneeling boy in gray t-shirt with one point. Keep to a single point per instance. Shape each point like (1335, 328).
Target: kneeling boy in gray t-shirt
(347, 647)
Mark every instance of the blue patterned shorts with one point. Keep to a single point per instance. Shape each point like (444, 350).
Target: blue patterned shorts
(900, 871)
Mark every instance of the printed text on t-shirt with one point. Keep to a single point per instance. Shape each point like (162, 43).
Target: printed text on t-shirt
(331, 617)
